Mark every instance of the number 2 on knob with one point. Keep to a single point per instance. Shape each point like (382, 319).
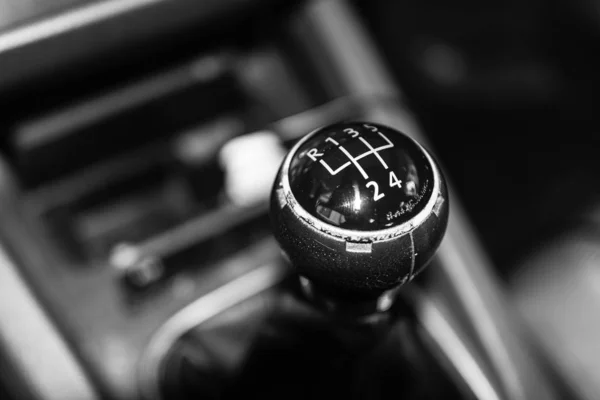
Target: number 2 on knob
(376, 194)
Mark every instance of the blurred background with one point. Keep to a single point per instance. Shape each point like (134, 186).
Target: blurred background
(506, 89)
(139, 140)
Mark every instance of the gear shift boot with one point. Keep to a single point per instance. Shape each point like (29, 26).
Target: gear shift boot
(275, 345)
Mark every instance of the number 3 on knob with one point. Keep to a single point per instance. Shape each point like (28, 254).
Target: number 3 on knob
(351, 132)
(376, 194)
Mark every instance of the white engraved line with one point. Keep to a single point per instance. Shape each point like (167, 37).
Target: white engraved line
(327, 167)
(332, 172)
(353, 160)
(373, 151)
(386, 139)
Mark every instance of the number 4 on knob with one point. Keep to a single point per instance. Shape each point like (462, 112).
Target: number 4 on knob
(394, 181)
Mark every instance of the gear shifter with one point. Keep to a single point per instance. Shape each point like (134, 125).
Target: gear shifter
(358, 209)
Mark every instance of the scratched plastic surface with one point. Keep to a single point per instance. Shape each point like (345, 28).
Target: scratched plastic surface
(361, 176)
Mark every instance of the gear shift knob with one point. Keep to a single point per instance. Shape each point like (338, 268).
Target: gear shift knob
(359, 208)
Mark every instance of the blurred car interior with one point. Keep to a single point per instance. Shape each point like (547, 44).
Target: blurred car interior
(140, 140)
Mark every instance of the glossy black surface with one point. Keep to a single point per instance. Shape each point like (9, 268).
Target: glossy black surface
(361, 176)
